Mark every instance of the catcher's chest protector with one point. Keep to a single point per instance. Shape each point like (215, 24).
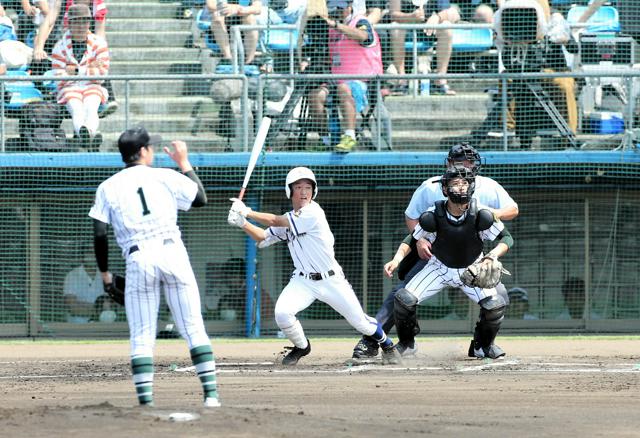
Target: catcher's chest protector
(457, 245)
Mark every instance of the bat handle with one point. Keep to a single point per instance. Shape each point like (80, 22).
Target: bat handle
(241, 195)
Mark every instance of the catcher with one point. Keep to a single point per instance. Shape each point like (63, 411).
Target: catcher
(456, 228)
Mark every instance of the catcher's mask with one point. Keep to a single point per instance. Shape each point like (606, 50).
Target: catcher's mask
(455, 173)
(298, 173)
(464, 154)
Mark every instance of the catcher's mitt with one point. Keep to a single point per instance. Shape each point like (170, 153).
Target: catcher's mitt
(115, 289)
(485, 274)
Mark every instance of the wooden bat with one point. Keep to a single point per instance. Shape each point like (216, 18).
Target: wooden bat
(258, 144)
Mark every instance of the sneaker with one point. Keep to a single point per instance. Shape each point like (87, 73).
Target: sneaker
(346, 144)
(110, 108)
(84, 137)
(95, 143)
(212, 402)
(491, 352)
(391, 356)
(365, 349)
(295, 354)
(408, 349)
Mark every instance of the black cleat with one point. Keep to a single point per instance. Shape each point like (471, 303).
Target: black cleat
(295, 354)
(491, 352)
(391, 356)
(365, 349)
(407, 349)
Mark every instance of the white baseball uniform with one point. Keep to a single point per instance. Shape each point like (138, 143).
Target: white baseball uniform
(488, 192)
(435, 275)
(317, 274)
(141, 203)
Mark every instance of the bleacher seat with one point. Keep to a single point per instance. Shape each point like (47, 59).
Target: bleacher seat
(20, 93)
(421, 46)
(281, 40)
(472, 40)
(604, 19)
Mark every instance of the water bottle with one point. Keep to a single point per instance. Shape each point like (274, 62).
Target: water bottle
(425, 87)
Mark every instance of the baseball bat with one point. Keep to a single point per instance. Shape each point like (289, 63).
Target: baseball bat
(258, 144)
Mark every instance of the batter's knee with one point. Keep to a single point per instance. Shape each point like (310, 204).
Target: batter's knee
(284, 319)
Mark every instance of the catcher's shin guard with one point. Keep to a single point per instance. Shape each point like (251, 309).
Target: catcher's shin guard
(404, 313)
(491, 316)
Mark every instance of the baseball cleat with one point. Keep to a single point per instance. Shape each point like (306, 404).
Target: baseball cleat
(212, 402)
(391, 356)
(408, 349)
(365, 349)
(296, 354)
(491, 352)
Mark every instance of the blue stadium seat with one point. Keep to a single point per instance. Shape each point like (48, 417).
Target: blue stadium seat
(20, 93)
(472, 40)
(249, 70)
(604, 20)
(280, 40)
(421, 46)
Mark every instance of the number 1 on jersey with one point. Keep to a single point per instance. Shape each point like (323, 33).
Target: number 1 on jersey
(145, 209)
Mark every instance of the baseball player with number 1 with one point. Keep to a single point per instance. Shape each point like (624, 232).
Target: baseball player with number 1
(141, 203)
(317, 274)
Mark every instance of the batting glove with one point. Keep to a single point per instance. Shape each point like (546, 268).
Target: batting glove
(236, 219)
(239, 207)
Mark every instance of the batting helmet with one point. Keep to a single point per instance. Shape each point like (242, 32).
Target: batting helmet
(298, 173)
(464, 152)
(455, 172)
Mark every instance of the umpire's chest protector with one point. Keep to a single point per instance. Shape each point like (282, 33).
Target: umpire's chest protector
(457, 245)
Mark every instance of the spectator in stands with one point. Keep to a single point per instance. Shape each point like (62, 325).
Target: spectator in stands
(80, 52)
(354, 48)
(574, 295)
(518, 307)
(433, 12)
(82, 287)
(105, 309)
(231, 13)
(50, 30)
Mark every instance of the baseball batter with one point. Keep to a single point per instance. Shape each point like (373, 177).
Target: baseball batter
(141, 203)
(488, 192)
(317, 274)
(456, 229)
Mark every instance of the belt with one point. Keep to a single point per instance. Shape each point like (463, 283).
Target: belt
(316, 276)
(134, 248)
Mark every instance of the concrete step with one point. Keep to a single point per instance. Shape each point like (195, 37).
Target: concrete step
(194, 106)
(144, 10)
(138, 25)
(174, 67)
(164, 87)
(461, 104)
(154, 54)
(152, 38)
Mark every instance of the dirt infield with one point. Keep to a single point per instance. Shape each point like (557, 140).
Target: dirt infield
(544, 387)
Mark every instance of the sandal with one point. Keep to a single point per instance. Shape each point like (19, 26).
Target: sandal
(442, 89)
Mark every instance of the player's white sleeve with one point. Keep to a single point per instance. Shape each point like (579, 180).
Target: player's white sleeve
(424, 198)
(273, 235)
(183, 188)
(490, 193)
(419, 233)
(504, 199)
(305, 219)
(100, 208)
(493, 231)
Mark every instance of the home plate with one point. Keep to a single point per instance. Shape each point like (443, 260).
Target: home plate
(183, 416)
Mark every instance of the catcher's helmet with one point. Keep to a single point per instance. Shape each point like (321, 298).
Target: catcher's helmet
(461, 152)
(298, 173)
(455, 172)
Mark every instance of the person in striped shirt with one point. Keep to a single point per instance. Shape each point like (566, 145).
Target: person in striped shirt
(82, 53)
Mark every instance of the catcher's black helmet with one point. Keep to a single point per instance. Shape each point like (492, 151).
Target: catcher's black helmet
(465, 154)
(455, 172)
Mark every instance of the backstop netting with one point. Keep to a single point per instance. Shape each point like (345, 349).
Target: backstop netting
(575, 256)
